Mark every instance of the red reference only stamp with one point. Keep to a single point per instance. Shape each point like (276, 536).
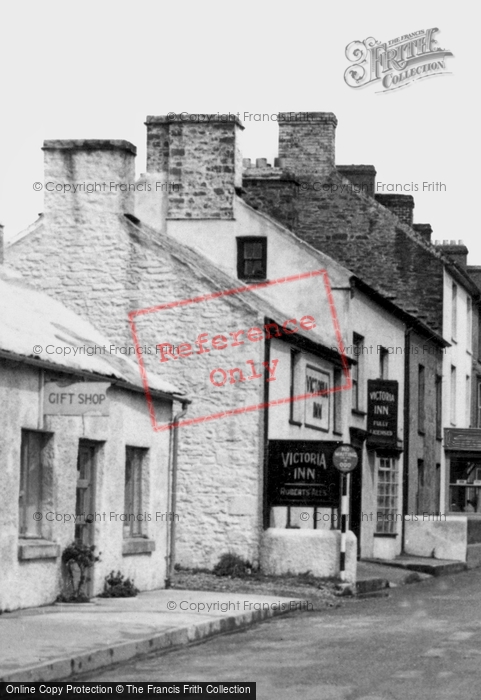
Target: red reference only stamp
(257, 358)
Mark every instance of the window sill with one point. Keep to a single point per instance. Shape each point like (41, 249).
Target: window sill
(295, 422)
(358, 412)
(385, 534)
(37, 549)
(422, 432)
(137, 545)
(337, 432)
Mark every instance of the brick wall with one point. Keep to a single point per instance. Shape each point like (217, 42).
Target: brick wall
(374, 240)
(307, 144)
(401, 205)
(202, 160)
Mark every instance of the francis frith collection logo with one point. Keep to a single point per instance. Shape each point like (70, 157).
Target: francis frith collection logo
(395, 63)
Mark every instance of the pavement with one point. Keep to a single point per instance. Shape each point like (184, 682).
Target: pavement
(57, 641)
(377, 575)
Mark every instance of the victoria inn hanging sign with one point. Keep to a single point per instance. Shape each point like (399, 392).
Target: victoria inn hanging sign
(382, 412)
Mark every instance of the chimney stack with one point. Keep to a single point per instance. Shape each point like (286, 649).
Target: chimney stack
(457, 251)
(198, 154)
(401, 205)
(424, 230)
(307, 143)
(88, 179)
(363, 177)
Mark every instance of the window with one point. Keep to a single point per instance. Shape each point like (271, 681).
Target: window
(437, 489)
(383, 360)
(479, 336)
(251, 258)
(134, 460)
(454, 311)
(478, 405)
(420, 494)
(453, 396)
(421, 398)
(387, 496)
(356, 374)
(295, 416)
(32, 478)
(468, 401)
(465, 485)
(469, 324)
(337, 400)
(439, 406)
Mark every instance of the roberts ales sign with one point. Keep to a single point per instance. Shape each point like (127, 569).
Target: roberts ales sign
(382, 412)
(302, 473)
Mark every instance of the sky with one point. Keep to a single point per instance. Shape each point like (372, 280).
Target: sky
(97, 69)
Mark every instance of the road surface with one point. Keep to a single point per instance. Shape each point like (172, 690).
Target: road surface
(423, 641)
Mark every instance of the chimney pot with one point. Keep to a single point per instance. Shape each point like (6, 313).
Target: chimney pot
(246, 162)
(261, 162)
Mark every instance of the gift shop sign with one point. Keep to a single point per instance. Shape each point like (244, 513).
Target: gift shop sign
(82, 398)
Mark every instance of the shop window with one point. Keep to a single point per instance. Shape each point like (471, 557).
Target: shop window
(252, 258)
(133, 503)
(387, 496)
(465, 485)
(421, 398)
(33, 478)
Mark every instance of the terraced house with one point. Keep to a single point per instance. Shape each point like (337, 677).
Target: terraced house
(232, 301)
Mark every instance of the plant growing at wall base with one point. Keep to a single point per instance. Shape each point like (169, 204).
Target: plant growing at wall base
(116, 586)
(232, 564)
(78, 558)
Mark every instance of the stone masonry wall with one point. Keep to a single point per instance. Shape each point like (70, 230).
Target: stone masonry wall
(202, 162)
(103, 272)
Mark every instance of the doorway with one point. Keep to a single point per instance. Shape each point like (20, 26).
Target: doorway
(85, 498)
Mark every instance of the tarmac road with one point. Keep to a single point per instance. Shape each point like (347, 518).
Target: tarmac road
(423, 641)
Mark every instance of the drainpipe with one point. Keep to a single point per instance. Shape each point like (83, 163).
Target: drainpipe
(175, 445)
